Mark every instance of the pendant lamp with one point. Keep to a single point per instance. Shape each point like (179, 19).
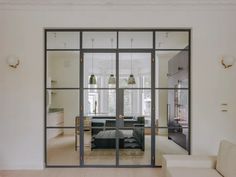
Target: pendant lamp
(92, 78)
(112, 79)
(131, 79)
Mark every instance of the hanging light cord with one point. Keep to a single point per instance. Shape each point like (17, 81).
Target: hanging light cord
(92, 55)
(111, 56)
(131, 40)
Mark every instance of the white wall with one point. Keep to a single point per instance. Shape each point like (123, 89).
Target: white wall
(22, 90)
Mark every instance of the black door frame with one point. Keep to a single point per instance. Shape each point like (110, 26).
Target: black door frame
(152, 50)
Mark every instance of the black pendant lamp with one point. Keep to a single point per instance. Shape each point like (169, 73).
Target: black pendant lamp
(92, 78)
(112, 79)
(131, 79)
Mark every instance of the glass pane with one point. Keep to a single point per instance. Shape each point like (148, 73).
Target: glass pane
(63, 69)
(62, 107)
(172, 108)
(172, 67)
(135, 70)
(135, 127)
(100, 39)
(172, 40)
(100, 139)
(99, 102)
(171, 141)
(100, 142)
(63, 40)
(140, 40)
(61, 147)
(99, 70)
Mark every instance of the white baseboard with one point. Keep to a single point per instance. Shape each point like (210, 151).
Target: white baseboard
(22, 166)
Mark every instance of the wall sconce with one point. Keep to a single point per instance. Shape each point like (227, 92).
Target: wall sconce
(13, 61)
(227, 61)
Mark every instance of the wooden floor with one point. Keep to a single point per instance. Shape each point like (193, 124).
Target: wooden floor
(85, 172)
(61, 151)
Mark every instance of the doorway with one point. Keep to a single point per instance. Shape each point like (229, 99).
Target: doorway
(116, 98)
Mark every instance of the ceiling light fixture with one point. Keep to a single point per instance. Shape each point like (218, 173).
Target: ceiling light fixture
(131, 79)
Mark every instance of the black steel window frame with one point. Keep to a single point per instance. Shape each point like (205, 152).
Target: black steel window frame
(117, 50)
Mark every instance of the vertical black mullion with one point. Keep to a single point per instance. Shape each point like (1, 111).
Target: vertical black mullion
(153, 139)
(189, 93)
(81, 108)
(45, 98)
(117, 96)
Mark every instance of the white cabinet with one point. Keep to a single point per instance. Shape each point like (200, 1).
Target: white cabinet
(55, 119)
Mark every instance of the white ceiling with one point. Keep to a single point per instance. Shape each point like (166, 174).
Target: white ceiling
(113, 2)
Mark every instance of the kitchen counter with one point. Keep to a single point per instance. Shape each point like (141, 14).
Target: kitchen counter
(53, 110)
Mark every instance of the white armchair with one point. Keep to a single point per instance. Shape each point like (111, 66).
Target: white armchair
(202, 166)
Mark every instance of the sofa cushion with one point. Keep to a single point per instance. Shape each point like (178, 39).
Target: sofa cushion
(226, 159)
(191, 172)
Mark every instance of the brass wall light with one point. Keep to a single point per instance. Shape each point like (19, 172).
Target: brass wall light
(13, 61)
(227, 61)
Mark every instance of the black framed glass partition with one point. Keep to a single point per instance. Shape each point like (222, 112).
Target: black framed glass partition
(116, 97)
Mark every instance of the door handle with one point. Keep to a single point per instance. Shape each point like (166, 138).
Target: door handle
(121, 116)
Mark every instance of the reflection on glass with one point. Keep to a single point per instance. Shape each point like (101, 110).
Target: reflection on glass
(63, 40)
(134, 127)
(102, 65)
(172, 106)
(135, 145)
(99, 102)
(137, 103)
(63, 69)
(60, 147)
(100, 142)
(101, 39)
(137, 64)
(171, 122)
(170, 143)
(140, 39)
(171, 66)
(100, 139)
(62, 107)
(172, 40)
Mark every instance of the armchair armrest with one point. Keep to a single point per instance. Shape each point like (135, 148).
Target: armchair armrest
(192, 161)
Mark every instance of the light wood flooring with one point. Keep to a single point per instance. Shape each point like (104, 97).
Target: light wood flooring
(61, 151)
(85, 172)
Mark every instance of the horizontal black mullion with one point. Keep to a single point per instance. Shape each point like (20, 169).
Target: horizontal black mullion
(116, 29)
(48, 50)
(95, 165)
(133, 50)
(63, 166)
(121, 50)
(99, 50)
(117, 88)
(64, 88)
(171, 49)
(99, 88)
(60, 127)
(173, 30)
(125, 88)
(164, 127)
(107, 50)
(171, 88)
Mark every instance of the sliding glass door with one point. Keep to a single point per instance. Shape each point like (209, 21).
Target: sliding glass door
(116, 97)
